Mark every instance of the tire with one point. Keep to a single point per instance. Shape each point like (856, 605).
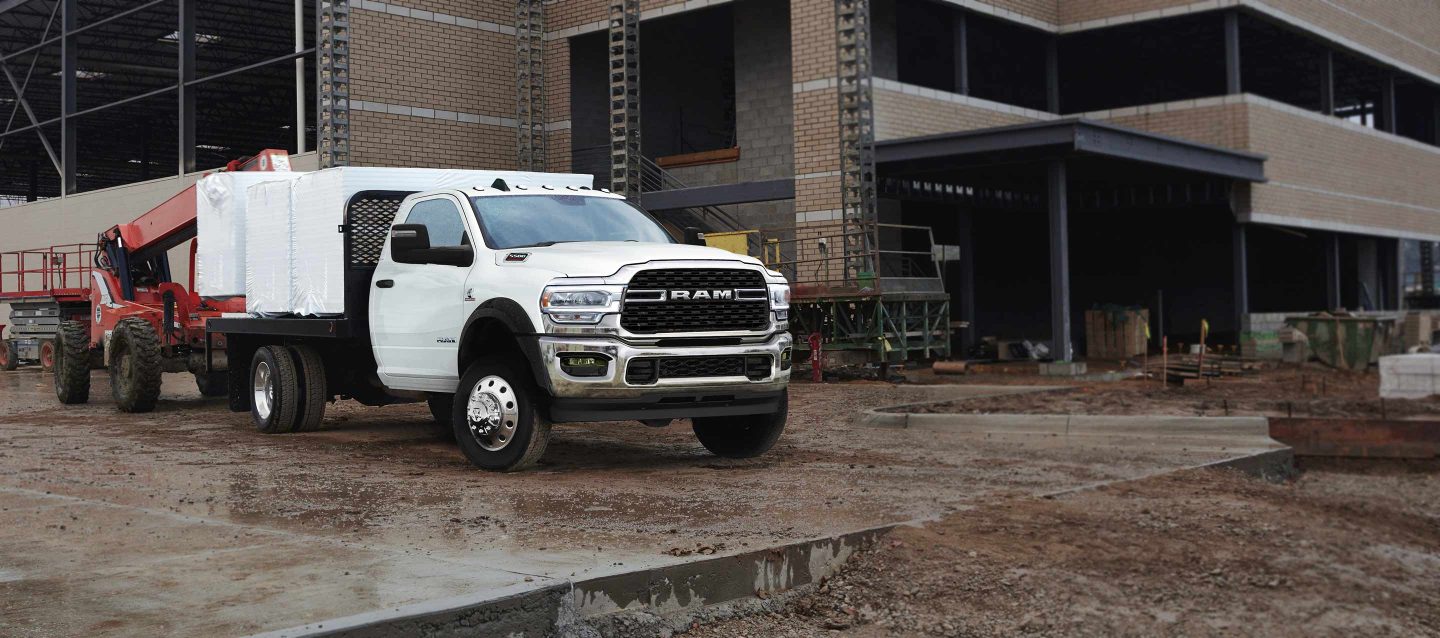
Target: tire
(274, 390)
(743, 437)
(47, 356)
(135, 367)
(212, 384)
(9, 358)
(520, 431)
(313, 391)
(72, 363)
(441, 408)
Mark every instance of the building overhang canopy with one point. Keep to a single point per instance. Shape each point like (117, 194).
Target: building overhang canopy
(1070, 137)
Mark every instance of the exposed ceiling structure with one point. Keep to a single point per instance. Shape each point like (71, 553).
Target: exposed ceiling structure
(126, 87)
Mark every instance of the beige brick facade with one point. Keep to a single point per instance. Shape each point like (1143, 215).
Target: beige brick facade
(413, 60)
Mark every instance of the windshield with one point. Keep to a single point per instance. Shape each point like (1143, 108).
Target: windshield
(519, 221)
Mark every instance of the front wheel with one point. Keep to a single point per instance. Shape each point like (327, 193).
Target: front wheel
(495, 417)
(135, 365)
(72, 363)
(741, 437)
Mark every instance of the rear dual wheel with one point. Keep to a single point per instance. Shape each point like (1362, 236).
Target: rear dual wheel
(287, 389)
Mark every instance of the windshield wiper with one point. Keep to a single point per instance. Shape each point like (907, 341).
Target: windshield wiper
(543, 244)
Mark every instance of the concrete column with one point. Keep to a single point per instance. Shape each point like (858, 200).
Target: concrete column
(1241, 274)
(1332, 271)
(1056, 189)
(1232, 53)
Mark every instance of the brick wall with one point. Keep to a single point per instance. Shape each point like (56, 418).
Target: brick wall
(1327, 172)
(900, 115)
(1316, 175)
(416, 62)
(382, 139)
(1407, 30)
(1043, 10)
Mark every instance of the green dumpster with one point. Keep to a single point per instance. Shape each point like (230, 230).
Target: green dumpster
(1345, 342)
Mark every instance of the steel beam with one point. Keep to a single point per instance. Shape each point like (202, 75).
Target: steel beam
(34, 122)
(185, 74)
(967, 280)
(1332, 271)
(1327, 83)
(1232, 53)
(1056, 188)
(1241, 273)
(1386, 118)
(1052, 74)
(69, 72)
(1397, 274)
(961, 26)
(299, 76)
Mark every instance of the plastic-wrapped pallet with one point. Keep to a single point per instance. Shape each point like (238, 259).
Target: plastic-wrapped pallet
(268, 231)
(319, 203)
(1409, 376)
(220, 230)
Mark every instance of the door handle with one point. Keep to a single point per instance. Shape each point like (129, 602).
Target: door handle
(385, 283)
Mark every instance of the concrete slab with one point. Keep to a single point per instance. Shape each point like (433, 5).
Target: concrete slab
(186, 521)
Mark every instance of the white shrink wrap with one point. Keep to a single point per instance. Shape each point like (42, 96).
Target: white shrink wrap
(220, 230)
(268, 231)
(319, 200)
(1409, 376)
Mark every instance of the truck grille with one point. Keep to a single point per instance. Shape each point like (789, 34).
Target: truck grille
(649, 370)
(736, 301)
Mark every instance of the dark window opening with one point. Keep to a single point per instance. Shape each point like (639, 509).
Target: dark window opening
(1145, 63)
(687, 89)
(1007, 62)
(925, 44)
(1280, 64)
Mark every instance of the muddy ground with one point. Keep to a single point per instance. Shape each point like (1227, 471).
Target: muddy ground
(1311, 390)
(1345, 549)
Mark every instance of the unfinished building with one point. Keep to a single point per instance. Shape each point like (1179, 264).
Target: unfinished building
(922, 170)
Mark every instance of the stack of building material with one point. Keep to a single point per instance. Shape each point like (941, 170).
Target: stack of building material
(1409, 376)
(295, 256)
(220, 214)
(1116, 333)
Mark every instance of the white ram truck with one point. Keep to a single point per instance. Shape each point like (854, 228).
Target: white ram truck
(522, 301)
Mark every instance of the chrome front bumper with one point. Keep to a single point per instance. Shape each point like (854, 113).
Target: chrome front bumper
(614, 386)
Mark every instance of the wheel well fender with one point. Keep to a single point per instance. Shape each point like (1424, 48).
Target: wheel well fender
(501, 325)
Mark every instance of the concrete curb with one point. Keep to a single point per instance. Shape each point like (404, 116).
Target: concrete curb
(564, 607)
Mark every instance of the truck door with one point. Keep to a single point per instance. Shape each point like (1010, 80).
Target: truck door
(417, 310)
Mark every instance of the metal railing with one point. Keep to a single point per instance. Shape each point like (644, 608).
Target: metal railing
(58, 270)
(815, 260)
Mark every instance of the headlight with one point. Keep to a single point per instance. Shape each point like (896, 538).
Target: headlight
(575, 299)
(580, 304)
(779, 296)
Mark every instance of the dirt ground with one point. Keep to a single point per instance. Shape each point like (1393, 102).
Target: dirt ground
(1342, 550)
(1278, 391)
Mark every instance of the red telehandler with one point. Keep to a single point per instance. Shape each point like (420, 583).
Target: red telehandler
(138, 322)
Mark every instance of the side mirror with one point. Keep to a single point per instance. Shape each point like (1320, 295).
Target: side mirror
(407, 241)
(410, 244)
(693, 236)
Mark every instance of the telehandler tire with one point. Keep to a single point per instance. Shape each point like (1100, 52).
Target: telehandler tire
(72, 363)
(135, 365)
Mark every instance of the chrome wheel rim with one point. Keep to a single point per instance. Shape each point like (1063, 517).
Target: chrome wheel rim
(263, 385)
(492, 412)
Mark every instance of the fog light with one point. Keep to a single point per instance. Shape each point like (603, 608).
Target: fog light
(785, 359)
(587, 364)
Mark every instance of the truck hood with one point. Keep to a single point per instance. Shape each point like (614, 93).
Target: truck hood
(605, 258)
